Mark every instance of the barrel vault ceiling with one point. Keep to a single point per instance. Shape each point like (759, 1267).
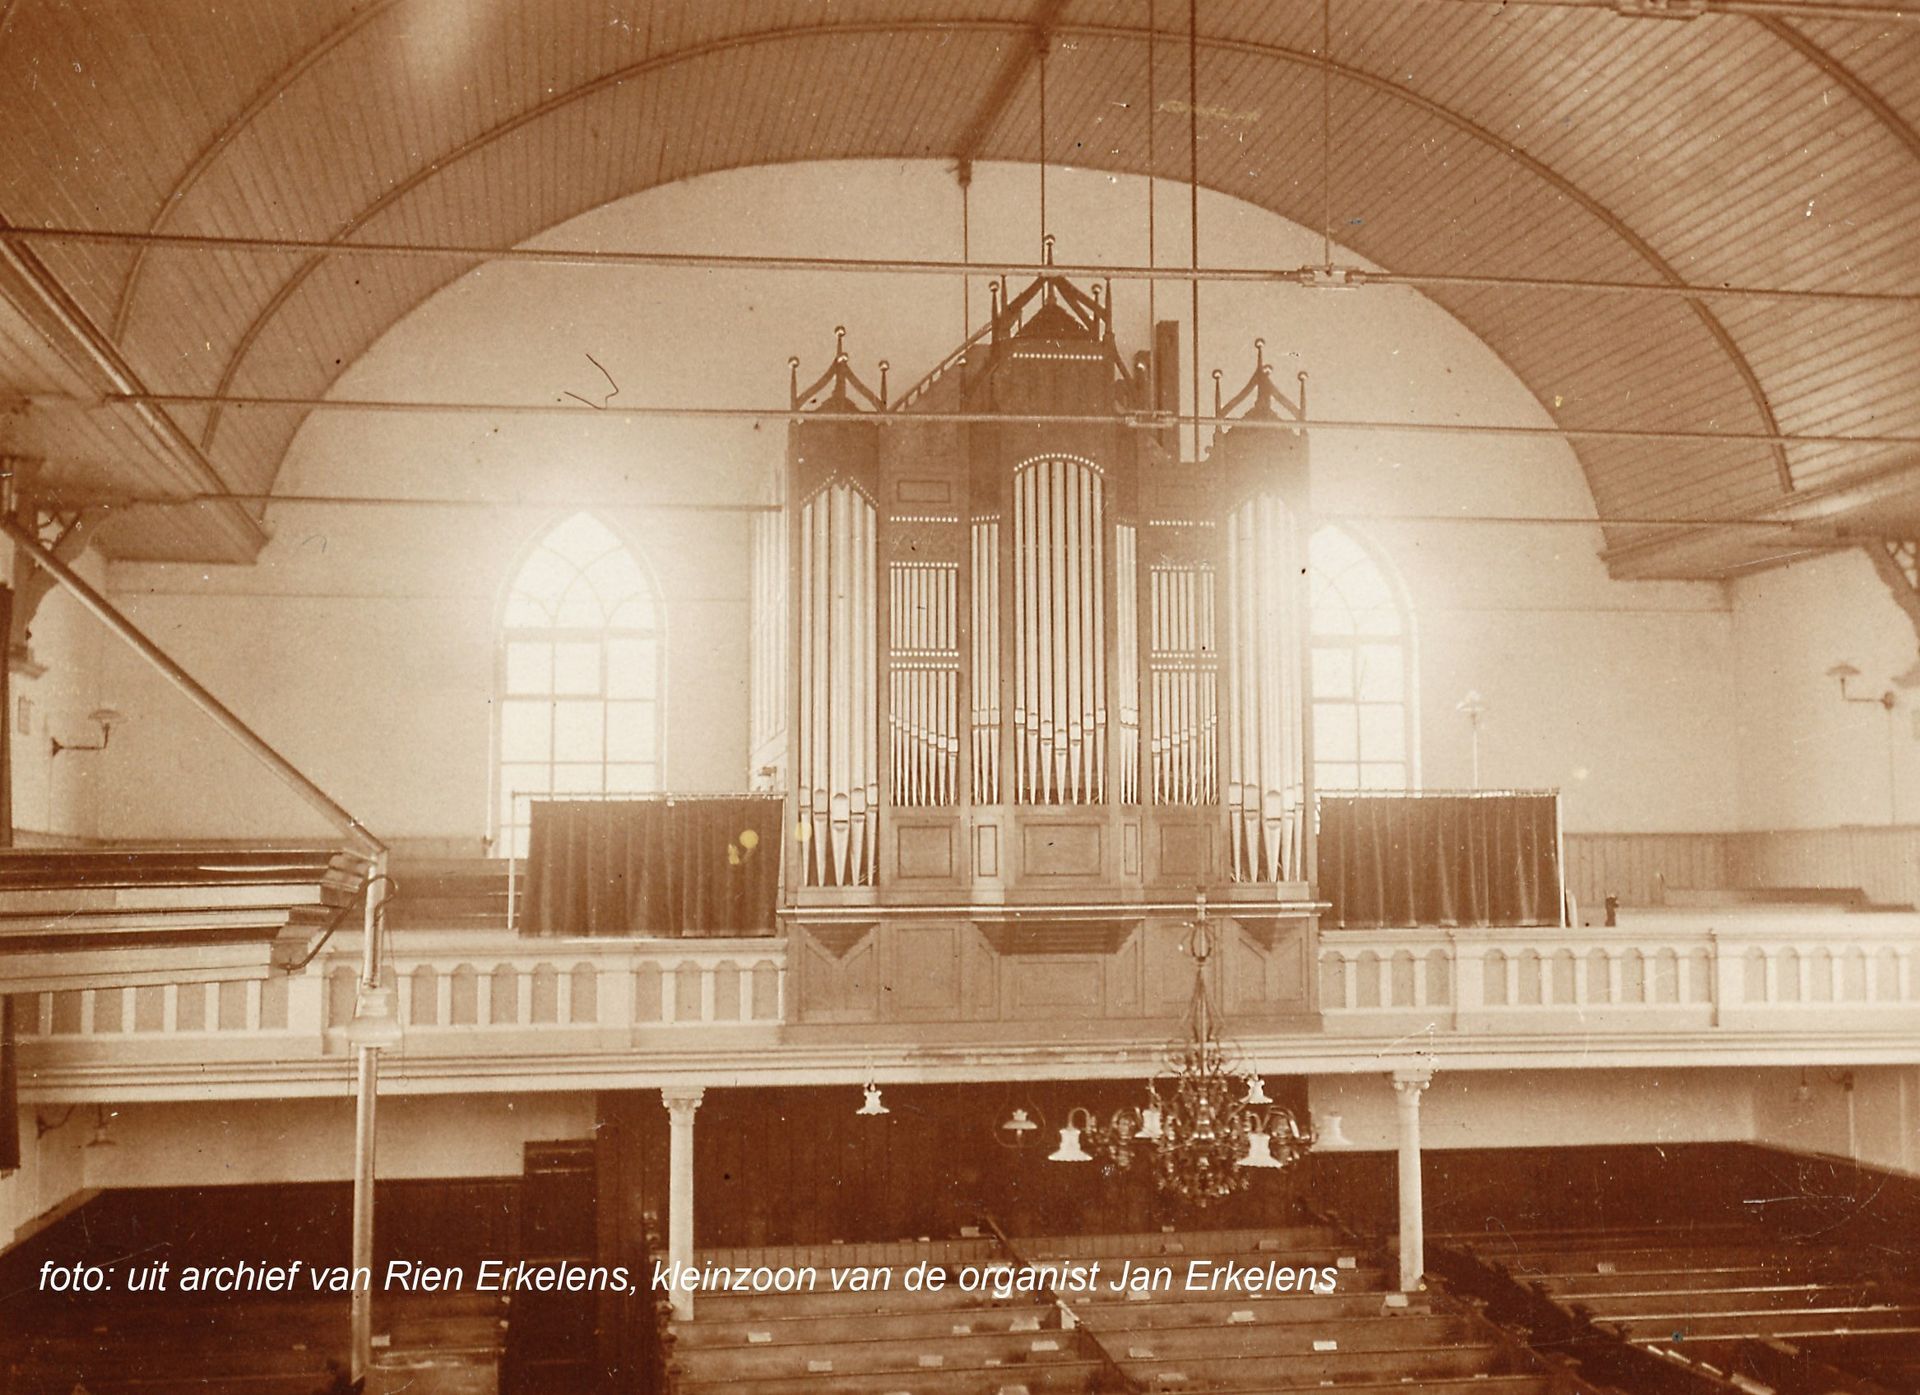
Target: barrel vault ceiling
(1763, 144)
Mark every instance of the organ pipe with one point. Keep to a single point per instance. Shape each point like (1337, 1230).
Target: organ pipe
(837, 752)
(985, 690)
(1059, 658)
(1265, 759)
(769, 646)
(1126, 657)
(924, 684)
(963, 650)
(1182, 741)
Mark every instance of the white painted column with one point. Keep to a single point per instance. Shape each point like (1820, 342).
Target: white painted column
(1408, 1084)
(681, 1105)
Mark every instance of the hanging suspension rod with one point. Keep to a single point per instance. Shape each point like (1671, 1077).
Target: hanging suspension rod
(911, 266)
(547, 506)
(1155, 421)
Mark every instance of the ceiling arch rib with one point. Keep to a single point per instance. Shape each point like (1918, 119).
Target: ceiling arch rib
(268, 92)
(878, 128)
(1267, 52)
(401, 189)
(1643, 251)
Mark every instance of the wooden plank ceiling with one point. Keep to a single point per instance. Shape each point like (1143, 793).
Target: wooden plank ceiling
(1775, 147)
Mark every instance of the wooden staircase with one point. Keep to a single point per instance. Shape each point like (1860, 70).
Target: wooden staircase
(106, 917)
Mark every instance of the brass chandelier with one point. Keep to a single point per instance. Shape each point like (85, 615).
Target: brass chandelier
(1203, 1125)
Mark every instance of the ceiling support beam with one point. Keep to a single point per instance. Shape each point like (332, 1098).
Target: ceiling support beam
(1342, 278)
(36, 294)
(1814, 520)
(1007, 83)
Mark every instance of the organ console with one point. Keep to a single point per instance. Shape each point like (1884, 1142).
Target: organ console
(1031, 658)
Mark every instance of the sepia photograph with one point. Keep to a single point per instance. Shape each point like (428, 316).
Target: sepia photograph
(960, 697)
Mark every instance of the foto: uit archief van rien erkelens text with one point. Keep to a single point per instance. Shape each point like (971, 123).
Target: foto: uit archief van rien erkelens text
(511, 1276)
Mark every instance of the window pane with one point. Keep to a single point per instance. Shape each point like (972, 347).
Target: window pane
(1335, 777)
(577, 731)
(576, 779)
(514, 809)
(632, 779)
(614, 577)
(1380, 678)
(576, 668)
(1383, 732)
(526, 728)
(580, 676)
(630, 731)
(544, 577)
(1381, 619)
(1332, 673)
(529, 667)
(580, 609)
(1383, 777)
(523, 779)
(630, 668)
(1335, 732)
(528, 613)
(636, 612)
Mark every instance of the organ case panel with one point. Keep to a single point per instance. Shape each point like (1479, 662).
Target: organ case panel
(1053, 661)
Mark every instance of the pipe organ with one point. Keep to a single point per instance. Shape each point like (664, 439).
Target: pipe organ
(923, 689)
(1085, 658)
(1059, 651)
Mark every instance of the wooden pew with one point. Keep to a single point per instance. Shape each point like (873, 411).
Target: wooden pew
(853, 1353)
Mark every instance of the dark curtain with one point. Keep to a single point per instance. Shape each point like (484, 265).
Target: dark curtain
(1451, 860)
(664, 867)
(9, 1090)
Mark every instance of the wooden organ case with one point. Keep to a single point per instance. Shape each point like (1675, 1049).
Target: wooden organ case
(1035, 685)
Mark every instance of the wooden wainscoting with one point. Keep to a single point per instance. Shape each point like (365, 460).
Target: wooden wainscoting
(1641, 868)
(1637, 867)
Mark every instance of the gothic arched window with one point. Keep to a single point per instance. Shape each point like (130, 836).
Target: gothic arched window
(1363, 705)
(578, 678)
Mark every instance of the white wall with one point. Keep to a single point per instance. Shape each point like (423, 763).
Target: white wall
(1876, 1121)
(234, 1142)
(362, 640)
(230, 1142)
(1546, 1109)
(51, 1177)
(58, 799)
(362, 645)
(1869, 1115)
(1807, 759)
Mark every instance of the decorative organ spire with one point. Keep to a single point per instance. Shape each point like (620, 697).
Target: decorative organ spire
(1001, 621)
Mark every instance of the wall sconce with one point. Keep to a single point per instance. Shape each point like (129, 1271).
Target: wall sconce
(106, 718)
(1844, 671)
(102, 1137)
(1473, 707)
